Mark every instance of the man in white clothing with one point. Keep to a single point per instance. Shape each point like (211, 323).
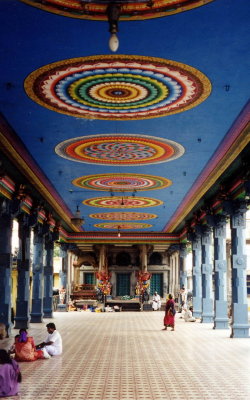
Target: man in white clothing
(53, 342)
(156, 304)
(188, 316)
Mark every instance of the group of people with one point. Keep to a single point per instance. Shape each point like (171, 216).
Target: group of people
(24, 349)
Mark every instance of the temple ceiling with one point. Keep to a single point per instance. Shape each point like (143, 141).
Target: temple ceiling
(134, 138)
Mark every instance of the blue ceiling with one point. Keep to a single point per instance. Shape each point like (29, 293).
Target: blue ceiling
(213, 39)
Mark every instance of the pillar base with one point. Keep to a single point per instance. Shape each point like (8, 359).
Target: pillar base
(240, 331)
(21, 323)
(48, 314)
(197, 314)
(36, 318)
(221, 323)
(207, 320)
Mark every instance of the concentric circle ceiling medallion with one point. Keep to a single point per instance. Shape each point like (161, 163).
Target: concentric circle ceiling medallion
(123, 216)
(130, 10)
(117, 87)
(121, 226)
(121, 182)
(119, 149)
(122, 202)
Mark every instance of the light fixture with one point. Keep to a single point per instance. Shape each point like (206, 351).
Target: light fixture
(118, 231)
(77, 219)
(113, 13)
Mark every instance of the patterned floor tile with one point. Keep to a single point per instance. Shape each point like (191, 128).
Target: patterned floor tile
(126, 356)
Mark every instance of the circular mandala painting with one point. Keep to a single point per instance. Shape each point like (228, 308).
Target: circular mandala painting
(121, 182)
(119, 149)
(117, 87)
(120, 226)
(123, 216)
(122, 202)
(129, 10)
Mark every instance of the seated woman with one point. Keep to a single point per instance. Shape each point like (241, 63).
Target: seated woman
(10, 375)
(24, 348)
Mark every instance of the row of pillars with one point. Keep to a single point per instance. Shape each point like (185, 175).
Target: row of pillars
(42, 269)
(210, 302)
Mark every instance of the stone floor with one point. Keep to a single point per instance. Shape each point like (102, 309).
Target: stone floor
(126, 356)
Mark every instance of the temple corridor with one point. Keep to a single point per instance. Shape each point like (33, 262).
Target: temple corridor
(126, 356)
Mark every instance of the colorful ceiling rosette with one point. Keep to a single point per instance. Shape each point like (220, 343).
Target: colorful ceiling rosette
(123, 216)
(120, 226)
(117, 182)
(122, 202)
(130, 10)
(117, 87)
(119, 149)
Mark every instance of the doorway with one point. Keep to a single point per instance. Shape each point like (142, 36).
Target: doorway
(123, 284)
(156, 284)
(89, 278)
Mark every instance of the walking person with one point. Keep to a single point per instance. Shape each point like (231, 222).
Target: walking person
(169, 313)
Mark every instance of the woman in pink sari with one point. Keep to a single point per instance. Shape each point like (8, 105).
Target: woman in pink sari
(25, 349)
(169, 313)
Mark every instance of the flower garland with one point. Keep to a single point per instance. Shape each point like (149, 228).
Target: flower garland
(104, 282)
(143, 281)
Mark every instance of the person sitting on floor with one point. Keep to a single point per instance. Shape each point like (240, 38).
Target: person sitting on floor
(53, 342)
(24, 347)
(188, 316)
(184, 310)
(10, 375)
(3, 333)
(156, 304)
(72, 306)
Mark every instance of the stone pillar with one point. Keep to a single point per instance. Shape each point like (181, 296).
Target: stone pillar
(5, 264)
(23, 268)
(177, 275)
(182, 264)
(144, 257)
(197, 290)
(220, 275)
(171, 277)
(207, 294)
(48, 277)
(240, 326)
(37, 291)
(102, 257)
(166, 278)
(78, 276)
(64, 270)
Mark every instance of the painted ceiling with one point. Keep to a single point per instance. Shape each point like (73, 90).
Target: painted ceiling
(124, 136)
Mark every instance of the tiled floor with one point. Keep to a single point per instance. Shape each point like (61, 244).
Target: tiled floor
(126, 356)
